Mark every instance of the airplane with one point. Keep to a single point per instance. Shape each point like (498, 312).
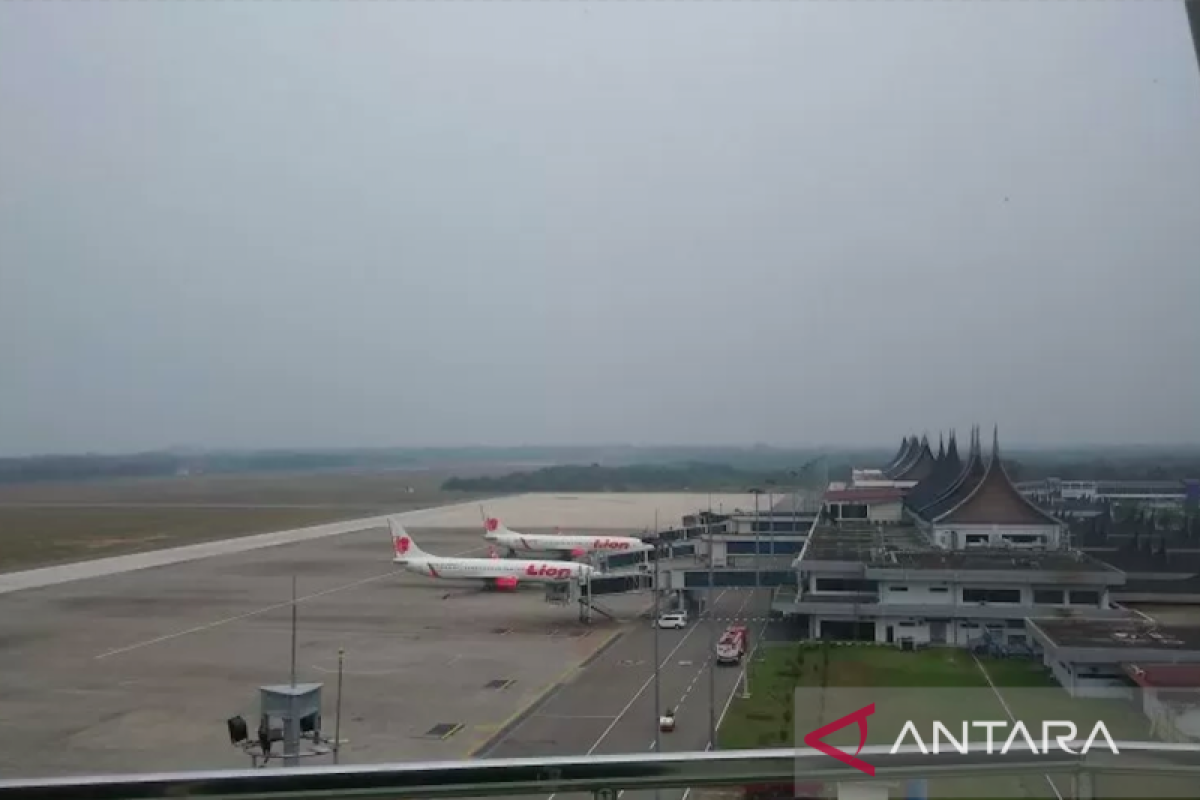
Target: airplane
(497, 573)
(573, 545)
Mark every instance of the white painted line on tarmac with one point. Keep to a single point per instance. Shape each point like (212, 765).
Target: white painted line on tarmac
(732, 692)
(114, 565)
(640, 691)
(266, 609)
(574, 716)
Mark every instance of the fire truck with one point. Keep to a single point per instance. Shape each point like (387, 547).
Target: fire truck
(732, 645)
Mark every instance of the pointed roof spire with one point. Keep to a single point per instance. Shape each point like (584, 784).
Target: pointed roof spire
(952, 447)
(905, 460)
(919, 467)
(946, 472)
(904, 445)
(941, 453)
(995, 500)
(967, 477)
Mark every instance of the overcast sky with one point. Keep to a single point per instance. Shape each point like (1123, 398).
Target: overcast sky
(265, 224)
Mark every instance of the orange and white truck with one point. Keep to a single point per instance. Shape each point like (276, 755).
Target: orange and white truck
(732, 645)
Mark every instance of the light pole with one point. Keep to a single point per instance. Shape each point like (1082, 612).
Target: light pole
(771, 515)
(657, 613)
(712, 643)
(337, 719)
(291, 729)
(757, 542)
(796, 504)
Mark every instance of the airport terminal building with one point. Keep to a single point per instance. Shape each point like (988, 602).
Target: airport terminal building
(966, 557)
(932, 549)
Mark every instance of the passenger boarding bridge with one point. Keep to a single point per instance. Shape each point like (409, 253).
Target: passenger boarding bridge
(738, 551)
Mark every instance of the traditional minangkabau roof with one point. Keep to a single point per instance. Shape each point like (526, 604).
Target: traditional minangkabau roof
(962, 485)
(949, 467)
(994, 500)
(920, 466)
(899, 455)
(908, 450)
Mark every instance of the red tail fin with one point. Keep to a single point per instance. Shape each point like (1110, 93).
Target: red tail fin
(402, 543)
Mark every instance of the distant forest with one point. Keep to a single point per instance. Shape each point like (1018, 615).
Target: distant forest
(637, 478)
(594, 468)
(723, 477)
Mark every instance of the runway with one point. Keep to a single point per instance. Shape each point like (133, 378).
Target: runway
(608, 708)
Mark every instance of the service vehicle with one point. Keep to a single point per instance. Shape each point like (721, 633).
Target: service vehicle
(732, 645)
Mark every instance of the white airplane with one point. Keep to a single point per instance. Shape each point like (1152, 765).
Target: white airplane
(574, 545)
(498, 573)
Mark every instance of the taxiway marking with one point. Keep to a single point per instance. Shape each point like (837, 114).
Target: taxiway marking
(643, 688)
(264, 610)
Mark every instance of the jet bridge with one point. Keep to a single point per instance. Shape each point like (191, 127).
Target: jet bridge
(585, 593)
(618, 584)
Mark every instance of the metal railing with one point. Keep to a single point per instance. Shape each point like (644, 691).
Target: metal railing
(604, 776)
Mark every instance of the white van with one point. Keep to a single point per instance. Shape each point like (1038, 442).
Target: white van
(676, 619)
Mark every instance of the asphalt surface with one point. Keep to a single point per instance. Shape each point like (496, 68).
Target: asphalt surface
(138, 671)
(133, 664)
(609, 706)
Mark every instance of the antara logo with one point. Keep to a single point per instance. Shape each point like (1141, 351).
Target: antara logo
(545, 571)
(609, 544)
(1064, 740)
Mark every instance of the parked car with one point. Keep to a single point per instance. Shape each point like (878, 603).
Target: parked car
(676, 619)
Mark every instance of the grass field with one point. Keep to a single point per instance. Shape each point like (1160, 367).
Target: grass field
(369, 489)
(804, 686)
(46, 524)
(760, 721)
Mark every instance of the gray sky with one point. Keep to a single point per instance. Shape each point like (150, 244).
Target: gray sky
(264, 224)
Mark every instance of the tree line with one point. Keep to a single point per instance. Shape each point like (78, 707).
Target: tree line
(590, 468)
(696, 477)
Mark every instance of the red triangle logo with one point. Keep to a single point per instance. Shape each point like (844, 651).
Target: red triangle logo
(813, 739)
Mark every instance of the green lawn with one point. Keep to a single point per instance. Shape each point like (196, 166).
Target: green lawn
(44, 524)
(804, 686)
(763, 720)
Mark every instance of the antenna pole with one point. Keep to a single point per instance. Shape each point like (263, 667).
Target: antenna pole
(658, 709)
(337, 719)
(293, 630)
(712, 640)
(291, 726)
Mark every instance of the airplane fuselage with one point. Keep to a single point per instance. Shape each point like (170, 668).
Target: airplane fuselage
(524, 571)
(545, 543)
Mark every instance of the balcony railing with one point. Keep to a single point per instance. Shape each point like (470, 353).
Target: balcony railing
(605, 776)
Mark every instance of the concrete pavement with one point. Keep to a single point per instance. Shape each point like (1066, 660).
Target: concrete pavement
(137, 671)
(608, 708)
(95, 568)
